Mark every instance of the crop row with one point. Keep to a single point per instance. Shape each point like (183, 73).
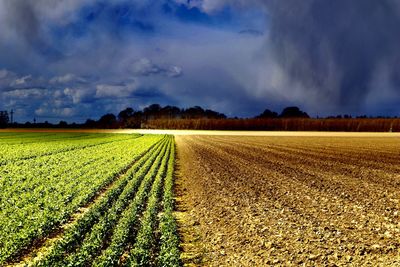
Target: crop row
(157, 241)
(13, 150)
(169, 254)
(125, 230)
(131, 225)
(100, 232)
(81, 230)
(41, 193)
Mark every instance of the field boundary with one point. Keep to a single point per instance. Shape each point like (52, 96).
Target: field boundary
(191, 246)
(212, 132)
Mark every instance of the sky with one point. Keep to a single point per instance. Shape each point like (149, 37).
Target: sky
(77, 59)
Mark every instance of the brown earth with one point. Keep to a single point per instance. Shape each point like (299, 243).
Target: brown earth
(289, 201)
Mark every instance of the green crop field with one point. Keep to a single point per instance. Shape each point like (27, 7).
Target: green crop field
(86, 199)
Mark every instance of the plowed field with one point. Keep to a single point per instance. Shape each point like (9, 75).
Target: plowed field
(258, 201)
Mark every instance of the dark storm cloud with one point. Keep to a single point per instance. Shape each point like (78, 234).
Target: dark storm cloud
(251, 32)
(86, 57)
(333, 56)
(337, 47)
(23, 18)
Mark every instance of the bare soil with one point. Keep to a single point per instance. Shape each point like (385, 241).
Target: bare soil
(289, 201)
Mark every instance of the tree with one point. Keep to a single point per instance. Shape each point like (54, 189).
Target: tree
(108, 121)
(195, 112)
(63, 124)
(4, 119)
(211, 114)
(90, 123)
(293, 112)
(152, 111)
(135, 121)
(170, 112)
(125, 114)
(267, 114)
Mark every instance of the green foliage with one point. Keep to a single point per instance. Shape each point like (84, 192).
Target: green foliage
(43, 192)
(26, 146)
(131, 224)
(141, 254)
(125, 228)
(95, 239)
(169, 250)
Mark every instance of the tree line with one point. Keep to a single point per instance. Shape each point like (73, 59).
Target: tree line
(130, 118)
(172, 117)
(127, 118)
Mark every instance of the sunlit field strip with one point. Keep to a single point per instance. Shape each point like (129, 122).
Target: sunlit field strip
(79, 232)
(100, 233)
(126, 229)
(14, 152)
(126, 217)
(32, 214)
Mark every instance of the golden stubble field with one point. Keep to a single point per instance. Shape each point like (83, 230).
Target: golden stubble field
(284, 200)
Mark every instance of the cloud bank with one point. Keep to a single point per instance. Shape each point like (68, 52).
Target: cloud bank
(330, 54)
(75, 59)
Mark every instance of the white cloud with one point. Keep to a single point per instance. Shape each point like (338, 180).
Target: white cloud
(117, 91)
(41, 111)
(22, 81)
(145, 67)
(211, 6)
(4, 74)
(6, 77)
(67, 78)
(64, 112)
(30, 93)
(174, 71)
(46, 111)
(78, 95)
